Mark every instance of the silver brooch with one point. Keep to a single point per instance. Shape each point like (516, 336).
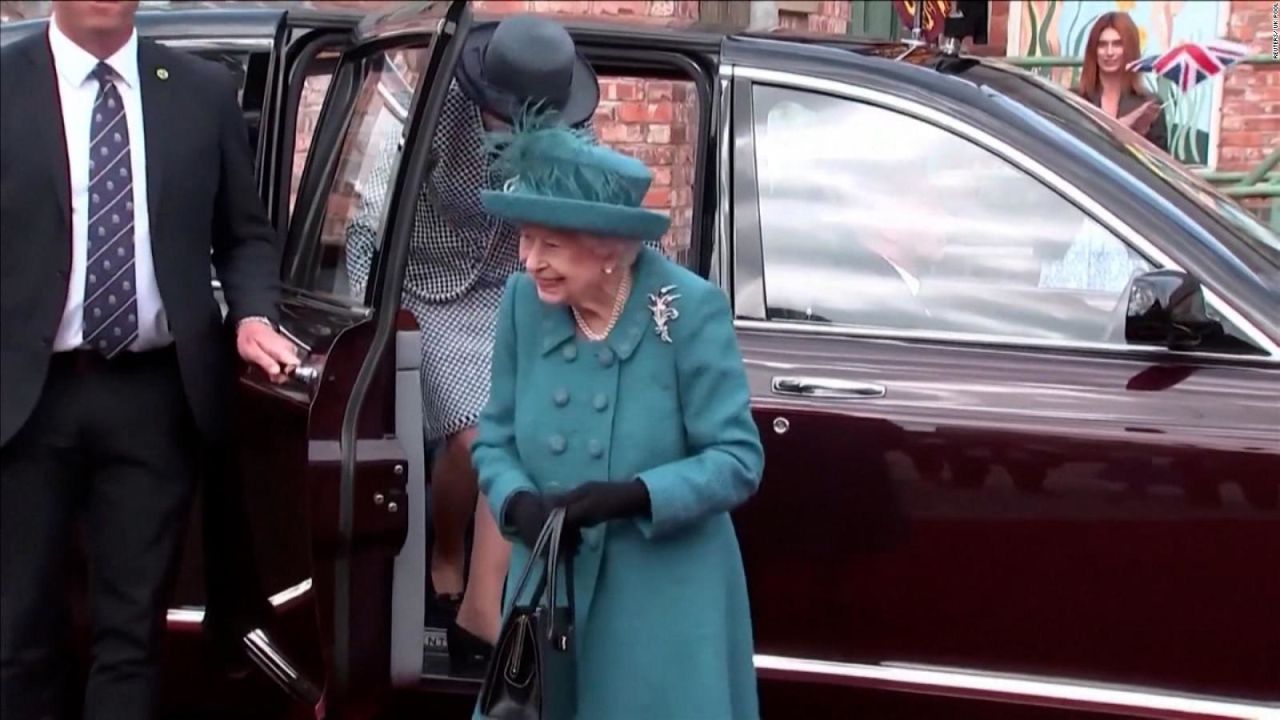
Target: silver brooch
(662, 306)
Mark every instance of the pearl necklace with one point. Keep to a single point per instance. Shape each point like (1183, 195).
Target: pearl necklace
(619, 300)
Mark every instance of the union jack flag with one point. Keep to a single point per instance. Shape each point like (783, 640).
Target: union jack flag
(1188, 64)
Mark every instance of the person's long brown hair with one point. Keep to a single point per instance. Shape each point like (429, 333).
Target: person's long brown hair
(1123, 24)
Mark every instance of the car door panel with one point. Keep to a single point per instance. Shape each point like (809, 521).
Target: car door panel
(970, 506)
(999, 511)
(358, 466)
(246, 585)
(315, 498)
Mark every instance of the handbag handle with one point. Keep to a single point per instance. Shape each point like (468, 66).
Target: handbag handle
(539, 549)
(548, 544)
(559, 637)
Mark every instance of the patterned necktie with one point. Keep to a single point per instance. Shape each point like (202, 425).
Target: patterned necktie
(110, 307)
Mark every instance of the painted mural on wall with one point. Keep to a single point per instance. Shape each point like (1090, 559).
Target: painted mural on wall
(1061, 28)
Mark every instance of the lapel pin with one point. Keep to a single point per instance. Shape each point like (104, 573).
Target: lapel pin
(162, 73)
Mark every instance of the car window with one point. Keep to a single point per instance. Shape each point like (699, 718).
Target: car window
(340, 264)
(315, 87)
(1036, 98)
(876, 219)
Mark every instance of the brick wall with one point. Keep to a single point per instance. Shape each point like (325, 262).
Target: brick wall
(1251, 93)
(997, 31)
(817, 17)
(659, 12)
(656, 121)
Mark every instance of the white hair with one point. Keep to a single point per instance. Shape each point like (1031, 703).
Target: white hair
(626, 250)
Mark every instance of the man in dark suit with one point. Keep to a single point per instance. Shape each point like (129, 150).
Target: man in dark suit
(124, 167)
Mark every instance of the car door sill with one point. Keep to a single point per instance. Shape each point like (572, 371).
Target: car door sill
(977, 685)
(1020, 689)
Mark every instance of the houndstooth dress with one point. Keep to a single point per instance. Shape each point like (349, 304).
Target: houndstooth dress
(459, 260)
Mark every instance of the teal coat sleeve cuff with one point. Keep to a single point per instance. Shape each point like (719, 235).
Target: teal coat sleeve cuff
(725, 460)
(494, 454)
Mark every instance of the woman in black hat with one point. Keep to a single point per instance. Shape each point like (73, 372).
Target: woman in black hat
(459, 261)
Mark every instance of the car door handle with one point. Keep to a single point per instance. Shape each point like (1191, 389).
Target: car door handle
(305, 374)
(827, 387)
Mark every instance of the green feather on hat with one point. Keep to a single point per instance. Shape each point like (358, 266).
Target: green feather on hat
(559, 177)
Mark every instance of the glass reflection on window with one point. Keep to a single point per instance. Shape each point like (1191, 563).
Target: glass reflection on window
(357, 203)
(876, 219)
(1260, 249)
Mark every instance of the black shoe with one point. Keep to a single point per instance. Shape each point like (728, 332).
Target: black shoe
(442, 610)
(449, 602)
(468, 654)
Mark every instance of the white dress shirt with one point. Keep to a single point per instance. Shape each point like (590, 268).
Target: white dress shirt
(78, 91)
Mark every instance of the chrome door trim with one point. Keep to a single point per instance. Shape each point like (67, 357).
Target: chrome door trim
(272, 661)
(262, 44)
(282, 599)
(1032, 167)
(742, 192)
(1008, 342)
(1033, 690)
(724, 235)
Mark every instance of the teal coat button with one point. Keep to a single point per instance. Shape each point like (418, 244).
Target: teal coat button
(570, 353)
(561, 397)
(595, 448)
(600, 402)
(606, 357)
(556, 443)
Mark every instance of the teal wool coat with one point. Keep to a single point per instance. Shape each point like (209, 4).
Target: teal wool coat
(663, 626)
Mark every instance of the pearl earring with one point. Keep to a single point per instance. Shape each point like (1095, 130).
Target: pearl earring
(608, 270)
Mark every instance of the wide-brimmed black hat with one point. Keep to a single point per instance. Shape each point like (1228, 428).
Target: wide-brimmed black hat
(526, 59)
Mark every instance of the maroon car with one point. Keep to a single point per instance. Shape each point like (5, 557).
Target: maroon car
(1017, 374)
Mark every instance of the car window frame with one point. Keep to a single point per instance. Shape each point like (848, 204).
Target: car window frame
(749, 283)
(307, 218)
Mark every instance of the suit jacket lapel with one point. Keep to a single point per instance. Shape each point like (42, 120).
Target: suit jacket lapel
(47, 130)
(162, 125)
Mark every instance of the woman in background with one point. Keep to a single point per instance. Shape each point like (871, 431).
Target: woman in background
(1106, 82)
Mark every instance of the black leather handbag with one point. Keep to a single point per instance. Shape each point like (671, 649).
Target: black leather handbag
(533, 674)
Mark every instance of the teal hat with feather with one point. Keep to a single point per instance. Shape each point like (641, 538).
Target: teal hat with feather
(558, 177)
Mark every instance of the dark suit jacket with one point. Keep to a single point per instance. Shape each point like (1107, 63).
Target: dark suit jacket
(1157, 134)
(201, 199)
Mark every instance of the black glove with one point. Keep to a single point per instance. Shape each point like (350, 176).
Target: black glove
(596, 502)
(527, 512)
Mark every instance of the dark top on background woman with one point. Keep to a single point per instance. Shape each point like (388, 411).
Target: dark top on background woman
(1106, 82)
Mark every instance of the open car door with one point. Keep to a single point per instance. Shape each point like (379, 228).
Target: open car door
(315, 510)
(246, 576)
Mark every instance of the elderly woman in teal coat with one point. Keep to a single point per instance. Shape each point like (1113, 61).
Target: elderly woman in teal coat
(618, 393)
